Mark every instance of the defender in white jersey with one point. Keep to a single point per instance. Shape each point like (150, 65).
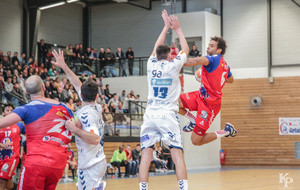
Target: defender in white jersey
(160, 119)
(91, 158)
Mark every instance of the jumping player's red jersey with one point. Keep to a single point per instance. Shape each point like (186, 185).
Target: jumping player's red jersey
(70, 155)
(213, 78)
(47, 137)
(11, 134)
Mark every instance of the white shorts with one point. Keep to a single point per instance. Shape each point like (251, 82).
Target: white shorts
(161, 125)
(91, 177)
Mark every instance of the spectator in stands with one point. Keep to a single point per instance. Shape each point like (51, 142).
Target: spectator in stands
(120, 117)
(6, 65)
(122, 96)
(54, 92)
(101, 100)
(63, 82)
(15, 58)
(132, 93)
(82, 77)
(194, 52)
(14, 79)
(114, 100)
(160, 155)
(76, 53)
(81, 52)
(108, 120)
(52, 71)
(75, 97)
(77, 106)
(8, 87)
(130, 57)
(65, 92)
(100, 81)
(2, 86)
(101, 90)
(44, 74)
(136, 156)
(101, 57)
(112, 107)
(137, 101)
(49, 57)
(42, 52)
(110, 61)
(158, 162)
(25, 74)
(8, 54)
(17, 91)
(174, 51)
(131, 164)
(70, 104)
(60, 96)
(107, 93)
(119, 159)
(95, 59)
(1, 68)
(126, 103)
(30, 71)
(48, 87)
(71, 90)
(69, 52)
(71, 164)
(15, 66)
(42, 67)
(22, 60)
(121, 57)
(88, 57)
(7, 75)
(94, 78)
(30, 61)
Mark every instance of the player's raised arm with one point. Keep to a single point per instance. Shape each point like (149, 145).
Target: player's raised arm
(175, 25)
(162, 36)
(196, 61)
(60, 62)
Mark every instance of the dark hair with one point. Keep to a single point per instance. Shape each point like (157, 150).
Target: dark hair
(138, 145)
(89, 90)
(162, 51)
(7, 105)
(106, 85)
(221, 43)
(108, 48)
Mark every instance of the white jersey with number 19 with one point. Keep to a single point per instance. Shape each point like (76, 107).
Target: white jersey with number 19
(163, 82)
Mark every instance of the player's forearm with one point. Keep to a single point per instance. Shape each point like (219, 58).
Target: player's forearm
(182, 40)
(196, 61)
(88, 137)
(161, 39)
(72, 77)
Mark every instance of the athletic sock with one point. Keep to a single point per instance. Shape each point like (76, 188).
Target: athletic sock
(190, 117)
(73, 173)
(144, 186)
(183, 184)
(221, 133)
(66, 176)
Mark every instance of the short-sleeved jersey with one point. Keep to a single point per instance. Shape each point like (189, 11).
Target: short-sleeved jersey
(163, 82)
(213, 77)
(11, 134)
(90, 117)
(47, 137)
(70, 155)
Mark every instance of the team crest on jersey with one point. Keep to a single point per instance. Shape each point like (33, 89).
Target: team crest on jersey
(178, 57)
(59, 113)
(172, 135)
(4, 167)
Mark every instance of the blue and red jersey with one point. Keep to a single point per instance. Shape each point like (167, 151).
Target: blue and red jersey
(11, 134)
(47, 137)
(213, 78)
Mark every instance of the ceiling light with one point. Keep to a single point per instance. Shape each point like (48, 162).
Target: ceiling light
(71, 1)
(52, 5)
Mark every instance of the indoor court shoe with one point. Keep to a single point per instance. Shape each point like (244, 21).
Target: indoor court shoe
(189, 128)
(230, 128)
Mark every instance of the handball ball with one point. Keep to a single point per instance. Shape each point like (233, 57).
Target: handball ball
(198, 75)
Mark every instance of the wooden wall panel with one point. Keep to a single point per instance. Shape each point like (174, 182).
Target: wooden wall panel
(258, 141)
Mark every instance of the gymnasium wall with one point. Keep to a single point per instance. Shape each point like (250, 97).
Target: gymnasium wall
(11, 25)
(61, 25)
(258, 141)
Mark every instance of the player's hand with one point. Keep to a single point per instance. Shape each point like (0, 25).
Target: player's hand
(21, 156)
(174, 22)
(70, 125)
(59, 57)
(165, 17)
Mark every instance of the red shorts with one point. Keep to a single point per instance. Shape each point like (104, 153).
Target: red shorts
(205, 113)
(34, 177)
(8, 168)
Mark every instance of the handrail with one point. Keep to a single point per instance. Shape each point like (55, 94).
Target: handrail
(2, 89)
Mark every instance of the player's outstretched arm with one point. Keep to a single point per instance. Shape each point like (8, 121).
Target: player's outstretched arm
(9, 120)
(87, 137)
(161, 39)
(196, 61)
(60, 62)
(175, 25)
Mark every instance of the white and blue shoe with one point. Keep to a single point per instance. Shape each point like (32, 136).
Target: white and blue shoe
(189, 128)
(230, 128)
